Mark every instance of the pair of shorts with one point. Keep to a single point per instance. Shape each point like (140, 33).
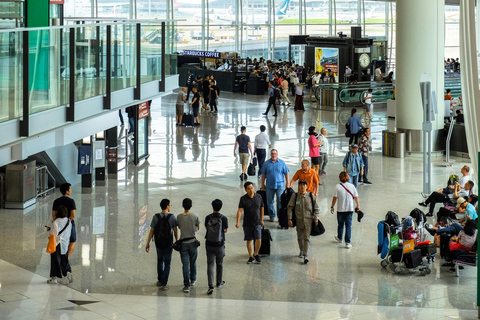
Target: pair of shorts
(369, 107)
(252, 233)
(179, 109)
(244, 157)
(315, 160)
(73, 234)
(195, 111)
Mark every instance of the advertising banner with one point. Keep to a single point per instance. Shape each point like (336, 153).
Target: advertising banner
(84, 159)
(142, 110)
(326, 58)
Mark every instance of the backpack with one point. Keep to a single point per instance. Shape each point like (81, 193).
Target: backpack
(163, 232)
(452, 180)
(214, 230)
(392, 219)
(276, 93)
(418, 215)
(285, 197)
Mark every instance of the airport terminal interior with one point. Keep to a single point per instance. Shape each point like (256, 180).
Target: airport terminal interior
(113, 275)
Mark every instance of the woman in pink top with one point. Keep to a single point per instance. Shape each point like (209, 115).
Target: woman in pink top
(313, 145)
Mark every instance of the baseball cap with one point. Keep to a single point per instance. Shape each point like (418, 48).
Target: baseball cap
(354, 146)
(460, 201)
(302, 182)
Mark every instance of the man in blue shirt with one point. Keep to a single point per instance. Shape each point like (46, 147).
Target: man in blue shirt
(275, 171)
(271, 100)
(353, 165)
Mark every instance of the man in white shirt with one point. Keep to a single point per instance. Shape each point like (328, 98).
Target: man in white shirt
(348, 73)
(262, 142)
(347, 197)
(315, 80)
(378, 74)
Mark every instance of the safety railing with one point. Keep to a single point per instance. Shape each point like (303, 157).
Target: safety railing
(353, 93)
(45, 68)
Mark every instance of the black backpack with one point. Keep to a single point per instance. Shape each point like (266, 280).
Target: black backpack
(285, 197)
(418, 215)
(214, 230)
(392, 219)
(163, 232)
(276, 93)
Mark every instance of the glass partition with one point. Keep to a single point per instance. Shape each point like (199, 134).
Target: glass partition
(151, 49)
(11, 75)
(124, 53)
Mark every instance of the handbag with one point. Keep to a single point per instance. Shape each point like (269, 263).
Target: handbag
(317, 230)
(251, 169)
(51, 247)
(177, 246)
(254, 161)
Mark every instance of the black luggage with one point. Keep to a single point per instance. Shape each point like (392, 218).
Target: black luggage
(251, 169)
(413, 258)
(263, 194)
(188, 119)
(427, 249)
(283, 218)
(444, 244)
(396, 254)
(266, 238)
(285, 197)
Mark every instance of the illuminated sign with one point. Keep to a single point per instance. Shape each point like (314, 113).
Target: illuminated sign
(205, 54)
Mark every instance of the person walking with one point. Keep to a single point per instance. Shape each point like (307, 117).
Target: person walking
(315, 81)
(305, 207)
(262, 143)
(244, 147)
(284, 87)
(354, 124)
(272, 100)
(298, 97)
(314, 150)
(252, 206)
(347, 197)
(368, 99)
(60, 229)
(353, 165)
(161, 227)
(275, 173)
(188, 223)
(322, 138)
(216, 225)
(309, 175)
(69, 203)
(364, 146)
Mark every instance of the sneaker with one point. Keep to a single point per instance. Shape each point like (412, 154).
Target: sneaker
(264, 114)
(52, 281)
(257, 259)
(305, 260)
(338, 239)
(430, 230)
(360, 181)
(65, 281)
(186, 289)
(221, 284)
(275, 115)
(192, 283)
(300, 255)
(367, 182)
(159, 284)
(272, 219)
(424, 195)
(70, 277)
(429, 214)
(250, 260)
(210, 290)
(245, 177)
(241, 177)
(423, 204)
(348, 245)
(164, 288)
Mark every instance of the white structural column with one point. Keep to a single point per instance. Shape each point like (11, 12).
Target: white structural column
(470, 79)
(420, 49)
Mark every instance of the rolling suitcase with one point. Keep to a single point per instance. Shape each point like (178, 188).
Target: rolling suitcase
(413, 258)
(187, 118)
(283, 218)
(263, 194)
(266, 239)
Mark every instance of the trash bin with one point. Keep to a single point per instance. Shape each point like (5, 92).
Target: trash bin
(393, 143)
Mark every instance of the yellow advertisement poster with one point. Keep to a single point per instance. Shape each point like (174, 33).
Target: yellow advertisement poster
(326, 58)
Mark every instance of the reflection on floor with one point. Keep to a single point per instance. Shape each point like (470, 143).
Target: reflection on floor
(110, 264)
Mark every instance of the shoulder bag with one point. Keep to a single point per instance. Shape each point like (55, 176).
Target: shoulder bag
(51, 246)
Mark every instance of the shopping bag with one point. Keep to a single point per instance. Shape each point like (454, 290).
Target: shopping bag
(393, 241)
(51, 247)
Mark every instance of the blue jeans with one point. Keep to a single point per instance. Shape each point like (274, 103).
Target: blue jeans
(453, 229)
(261, 155)
(131, 124)
(270, 200)
(344, 219)
(189, 259)
(353, 179)
(365, 168)
(164, 258)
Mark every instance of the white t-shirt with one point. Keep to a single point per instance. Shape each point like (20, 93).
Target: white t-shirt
(348, 72)
(324, 141)
(369, 98)
(293, 76)
(262, 141)
(463, 180)
(64, 238)
(345, 202)
(315, 79)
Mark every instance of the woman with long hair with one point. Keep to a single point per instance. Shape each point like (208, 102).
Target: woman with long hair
(314, 151)
(61, 229)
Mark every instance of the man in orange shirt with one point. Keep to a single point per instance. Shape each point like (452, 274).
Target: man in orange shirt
(448, 96)
(309, 175)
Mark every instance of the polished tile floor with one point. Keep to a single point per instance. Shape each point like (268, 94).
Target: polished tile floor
(114, 277)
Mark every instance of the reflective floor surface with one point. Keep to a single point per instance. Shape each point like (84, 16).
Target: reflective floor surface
(110, 264)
